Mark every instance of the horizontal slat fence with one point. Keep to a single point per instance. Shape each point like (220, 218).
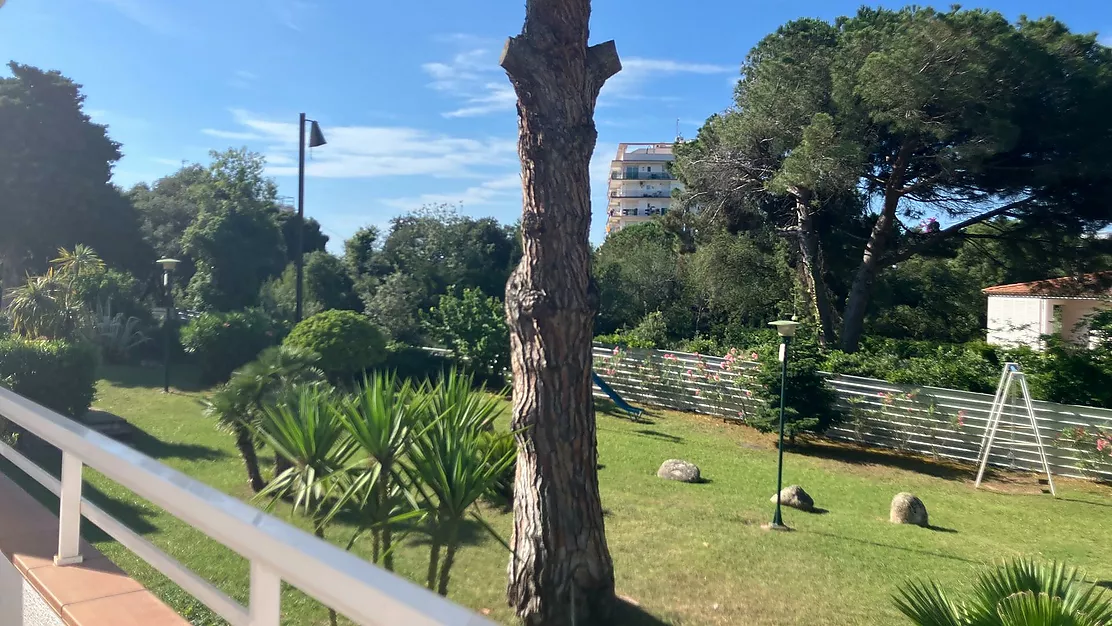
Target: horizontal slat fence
(944, 423)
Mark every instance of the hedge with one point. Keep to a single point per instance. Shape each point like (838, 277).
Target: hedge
(56, 374)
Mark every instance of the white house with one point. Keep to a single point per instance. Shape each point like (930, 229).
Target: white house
(1021, 313)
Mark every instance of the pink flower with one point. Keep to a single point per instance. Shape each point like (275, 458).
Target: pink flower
(754, 356)
(909, 396)
(689, 371)
(696, 355)
(696, 392)
(740, 414)
(1102, 444)
(227, 324)
(880, 394)
(961, 421)
(616, 350)
(724, 365)
(610, 371)
(748, 394)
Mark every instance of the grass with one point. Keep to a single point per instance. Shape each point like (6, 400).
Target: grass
(687, 554)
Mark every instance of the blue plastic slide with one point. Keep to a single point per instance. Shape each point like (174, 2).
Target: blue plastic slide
(613, 395)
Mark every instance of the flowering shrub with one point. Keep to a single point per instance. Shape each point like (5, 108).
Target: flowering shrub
(1093, 447)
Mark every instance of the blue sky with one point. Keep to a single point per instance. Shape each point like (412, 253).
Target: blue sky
(409, 94)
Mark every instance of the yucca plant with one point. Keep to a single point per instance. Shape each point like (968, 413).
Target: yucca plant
(305, 428)
(450, 468)
(382, 417)
(240, 402)
(1016, 593)
(116, 335)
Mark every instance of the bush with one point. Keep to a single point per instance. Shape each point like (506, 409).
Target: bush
(347, 342)
(416, 364)
(56, 374)
(473, 327)
(497, 445)
(969, 367)
(650, 333)
(809, 405)
(1070, 375)
(223, 342)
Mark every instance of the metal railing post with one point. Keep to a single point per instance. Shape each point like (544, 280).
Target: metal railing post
(69, 512)
(265, 604)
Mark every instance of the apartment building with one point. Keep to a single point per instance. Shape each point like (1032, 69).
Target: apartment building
(641, 184)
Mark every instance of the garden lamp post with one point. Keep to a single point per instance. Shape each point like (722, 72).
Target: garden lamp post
(316, 138)
(168, 267)
(786, 328)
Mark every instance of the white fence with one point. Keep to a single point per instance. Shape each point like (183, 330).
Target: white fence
(276, 550)
(944, 423)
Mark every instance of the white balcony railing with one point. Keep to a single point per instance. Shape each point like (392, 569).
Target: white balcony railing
(276, 550)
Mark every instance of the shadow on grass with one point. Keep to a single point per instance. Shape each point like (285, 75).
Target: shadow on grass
(941, 529)
(628, 614)
(866, 456)
(1104, 504)
(153, 446)
(1104, 584)
(608, 408)
(888, 546)
(656, 434)
(183, 377)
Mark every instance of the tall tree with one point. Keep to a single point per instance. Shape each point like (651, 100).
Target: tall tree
(314, 241)
(235, 240)
(166, 208)
(561, 572)
(960, 115)
(55, 168)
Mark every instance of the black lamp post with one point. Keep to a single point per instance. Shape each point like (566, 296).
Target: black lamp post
(786, 328)
(316, 138)
(168, 267)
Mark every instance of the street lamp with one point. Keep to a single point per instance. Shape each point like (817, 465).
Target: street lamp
(316, 138)
(786, 328)
(168, 267)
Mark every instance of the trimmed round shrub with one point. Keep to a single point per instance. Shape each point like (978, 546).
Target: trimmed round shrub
(221, 343)
(59, 375)
(348, 343)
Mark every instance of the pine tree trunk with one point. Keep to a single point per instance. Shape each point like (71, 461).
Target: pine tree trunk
(246, 446)
(813, 271)
(561, 572)
(857, 304)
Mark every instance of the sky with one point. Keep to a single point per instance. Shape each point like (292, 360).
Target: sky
(409, 94)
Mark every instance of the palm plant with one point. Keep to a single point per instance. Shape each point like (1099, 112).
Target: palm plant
(241, 401)
(1016, 593)
(45, 307)
(450, 468)
(304, 427)
(381, 417)
(73, 264)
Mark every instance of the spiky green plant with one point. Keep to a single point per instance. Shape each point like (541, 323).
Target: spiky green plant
(450, 468)
(241, 401)
(1016, 593)
(305, 428)
(382, 416)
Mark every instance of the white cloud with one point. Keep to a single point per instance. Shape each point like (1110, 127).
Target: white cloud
(374, 151)
(474, 77)
(501, 190)
(292, 13)
(637, 72)
(234, 135)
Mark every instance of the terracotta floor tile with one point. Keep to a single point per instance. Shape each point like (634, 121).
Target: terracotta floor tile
(95, 578)
(37, 549)
(138, 608)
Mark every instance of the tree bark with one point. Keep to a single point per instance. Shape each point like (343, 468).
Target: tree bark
(246, 446)
(853, 323)
(813, 270)
(560, 572)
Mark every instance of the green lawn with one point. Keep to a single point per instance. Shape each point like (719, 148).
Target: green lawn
(688, 554)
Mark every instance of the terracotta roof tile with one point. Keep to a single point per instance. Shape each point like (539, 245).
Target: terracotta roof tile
(1092, 285)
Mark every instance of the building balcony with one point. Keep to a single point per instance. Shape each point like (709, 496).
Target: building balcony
(641, 194)
(641, 176)
(50, 576)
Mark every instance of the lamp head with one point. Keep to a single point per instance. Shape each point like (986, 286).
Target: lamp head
(786, 328)
(316, 138)
(168, 264)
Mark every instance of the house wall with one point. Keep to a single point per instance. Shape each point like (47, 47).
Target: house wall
(20, 604)
(1017, 321)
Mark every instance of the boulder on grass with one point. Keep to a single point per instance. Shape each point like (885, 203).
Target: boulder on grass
(795, 497)
(675, 469)
(908, 509)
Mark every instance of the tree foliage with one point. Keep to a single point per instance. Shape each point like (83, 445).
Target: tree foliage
(55, 172)
(918, 113)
